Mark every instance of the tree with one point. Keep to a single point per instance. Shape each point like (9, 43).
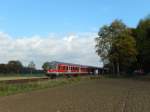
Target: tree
(114, 43)
(103, 42)
(106, 36)
(143, 43)
(123, 52)
(45, 66)
(31, 66)
(3, 68)
(14, 66)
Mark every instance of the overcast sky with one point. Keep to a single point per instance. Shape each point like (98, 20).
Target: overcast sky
(61, 30)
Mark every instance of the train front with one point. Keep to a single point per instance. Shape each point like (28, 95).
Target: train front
(52, 70)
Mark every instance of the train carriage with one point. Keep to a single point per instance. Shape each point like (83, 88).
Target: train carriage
(56, 68)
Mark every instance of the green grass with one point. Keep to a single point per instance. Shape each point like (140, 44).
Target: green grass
(9, 89)
(22, 75)
(16, 78)
(19, 76)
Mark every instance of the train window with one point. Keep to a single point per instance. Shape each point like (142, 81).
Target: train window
(61, 67)
(51, 66)
(58, 67)
(64, 67)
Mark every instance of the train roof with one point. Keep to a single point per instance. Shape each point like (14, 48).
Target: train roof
(57, 62)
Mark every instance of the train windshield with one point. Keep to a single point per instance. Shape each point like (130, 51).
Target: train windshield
(52, 66)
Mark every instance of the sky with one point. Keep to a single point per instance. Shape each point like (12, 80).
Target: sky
(62, 30)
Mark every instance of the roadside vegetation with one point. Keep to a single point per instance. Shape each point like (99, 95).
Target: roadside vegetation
(9, 89)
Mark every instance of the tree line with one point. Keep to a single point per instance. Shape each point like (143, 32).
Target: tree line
(16, 67)
(123, 49)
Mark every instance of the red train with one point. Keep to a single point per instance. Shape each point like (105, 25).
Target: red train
(68, 69)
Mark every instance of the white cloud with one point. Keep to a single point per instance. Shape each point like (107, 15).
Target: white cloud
(73, 48)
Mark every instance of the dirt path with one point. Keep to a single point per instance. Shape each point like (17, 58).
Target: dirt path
(108, 95)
